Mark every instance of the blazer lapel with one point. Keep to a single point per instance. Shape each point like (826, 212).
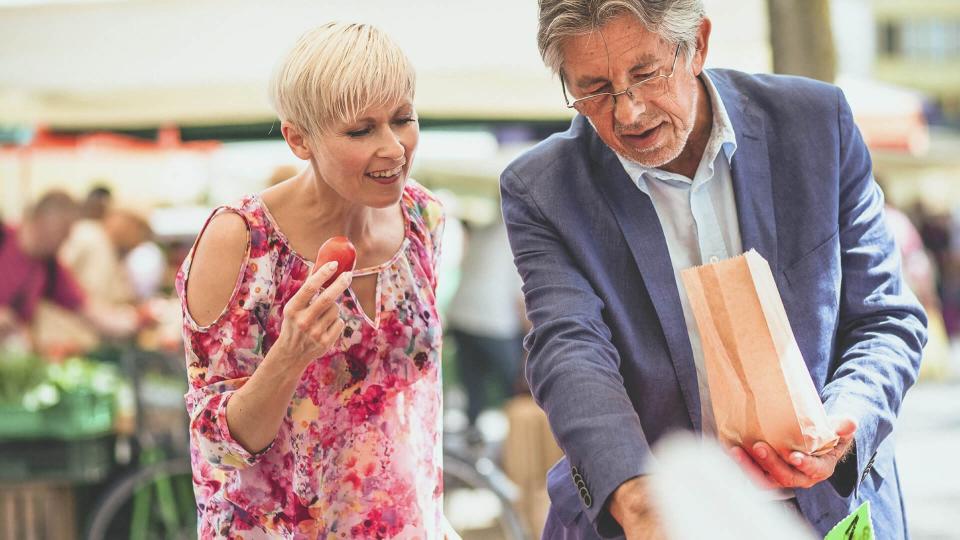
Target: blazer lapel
(641, 230)
(750, 169)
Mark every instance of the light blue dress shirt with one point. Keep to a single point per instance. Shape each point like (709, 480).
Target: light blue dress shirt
(699, 220)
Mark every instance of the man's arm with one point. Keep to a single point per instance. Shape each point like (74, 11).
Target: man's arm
(573, 367)
(116, 321)
(110, 320)
(882, 327)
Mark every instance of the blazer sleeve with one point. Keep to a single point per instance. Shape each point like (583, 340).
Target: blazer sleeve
(573, 367)
(882, 328)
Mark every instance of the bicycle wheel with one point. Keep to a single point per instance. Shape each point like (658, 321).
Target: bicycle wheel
(477, 500)
(153, 502)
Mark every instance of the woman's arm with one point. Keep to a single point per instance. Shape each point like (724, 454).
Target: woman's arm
(255, 408)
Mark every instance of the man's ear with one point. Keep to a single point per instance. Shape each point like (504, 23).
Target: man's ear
(296, 140)
(703, 43)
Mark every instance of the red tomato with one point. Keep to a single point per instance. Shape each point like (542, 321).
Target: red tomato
(339, 249)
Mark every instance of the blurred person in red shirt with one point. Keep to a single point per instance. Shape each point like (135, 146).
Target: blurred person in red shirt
(31, 271)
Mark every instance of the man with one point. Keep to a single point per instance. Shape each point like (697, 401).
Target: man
(31, 272)
(668, 166)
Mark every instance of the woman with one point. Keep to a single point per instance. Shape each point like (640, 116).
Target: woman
(315, 413)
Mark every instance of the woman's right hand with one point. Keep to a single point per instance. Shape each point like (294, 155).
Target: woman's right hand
(311, 318)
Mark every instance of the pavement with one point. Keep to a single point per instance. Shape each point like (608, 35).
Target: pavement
(928, 447)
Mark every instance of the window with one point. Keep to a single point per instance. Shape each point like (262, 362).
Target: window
(920, 39)
(889, 39)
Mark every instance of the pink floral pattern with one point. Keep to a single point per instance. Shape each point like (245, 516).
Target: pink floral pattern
(359, 452)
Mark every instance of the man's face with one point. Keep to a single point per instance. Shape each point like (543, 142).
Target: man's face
(651, 130)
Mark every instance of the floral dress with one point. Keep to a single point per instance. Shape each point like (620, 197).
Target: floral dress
(359, 452)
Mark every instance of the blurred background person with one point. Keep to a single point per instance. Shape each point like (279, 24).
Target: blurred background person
(98, 201)
(143, 262)
(282, 173)
(485, 319)
(32, 272)
(92, 256)
(921, 275)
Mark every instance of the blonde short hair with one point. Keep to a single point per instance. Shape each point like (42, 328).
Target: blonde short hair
(336, 71)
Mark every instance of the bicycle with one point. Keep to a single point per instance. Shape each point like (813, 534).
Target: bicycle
(155, 499)
(470, 475)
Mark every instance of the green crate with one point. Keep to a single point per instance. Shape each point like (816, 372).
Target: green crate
(86, 460)
(77, 415)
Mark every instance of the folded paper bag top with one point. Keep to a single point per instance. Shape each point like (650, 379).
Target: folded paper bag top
(759, 384)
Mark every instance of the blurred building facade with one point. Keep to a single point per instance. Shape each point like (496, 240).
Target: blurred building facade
(918, 45)
(913, 44)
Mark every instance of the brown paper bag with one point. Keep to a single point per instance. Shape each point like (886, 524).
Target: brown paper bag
(759, 385)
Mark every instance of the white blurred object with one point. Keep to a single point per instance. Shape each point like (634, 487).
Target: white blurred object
(701, 493)
(494, 425)
(178, 223)
(451, 251)
(146, 265)
(471, 509)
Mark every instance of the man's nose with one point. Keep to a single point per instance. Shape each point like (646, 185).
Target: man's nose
(628, 108)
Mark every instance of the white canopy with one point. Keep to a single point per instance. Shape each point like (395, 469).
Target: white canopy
(146, 62)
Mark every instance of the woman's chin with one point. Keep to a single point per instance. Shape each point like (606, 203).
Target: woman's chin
(384, 196)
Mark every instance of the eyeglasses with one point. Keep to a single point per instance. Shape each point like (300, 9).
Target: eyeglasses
(648, 88)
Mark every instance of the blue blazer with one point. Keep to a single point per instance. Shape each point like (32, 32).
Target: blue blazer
(610, 360)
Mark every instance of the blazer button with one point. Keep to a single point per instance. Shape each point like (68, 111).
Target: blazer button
(587, 500)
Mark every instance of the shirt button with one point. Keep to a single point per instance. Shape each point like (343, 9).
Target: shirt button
(714, 259)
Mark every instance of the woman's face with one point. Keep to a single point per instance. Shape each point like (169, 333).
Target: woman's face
(367, 161)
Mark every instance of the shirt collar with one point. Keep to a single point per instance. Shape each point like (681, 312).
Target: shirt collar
(722, 138)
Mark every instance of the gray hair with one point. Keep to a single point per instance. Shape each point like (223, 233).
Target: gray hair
(676, 21)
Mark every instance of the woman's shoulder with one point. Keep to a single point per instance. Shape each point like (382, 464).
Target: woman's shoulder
(423, 205)
(254, 224)
(210, 278)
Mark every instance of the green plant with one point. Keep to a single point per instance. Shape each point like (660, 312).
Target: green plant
(32, 383)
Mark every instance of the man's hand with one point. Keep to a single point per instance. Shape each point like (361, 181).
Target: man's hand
(795, 469)
(630, 505)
